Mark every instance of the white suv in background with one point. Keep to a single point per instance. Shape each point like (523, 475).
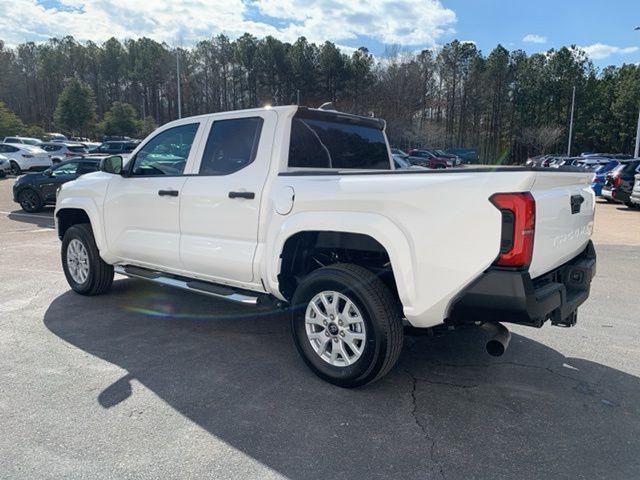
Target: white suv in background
(59, 151)
(5, 166)
(25, 140)
(24, 157)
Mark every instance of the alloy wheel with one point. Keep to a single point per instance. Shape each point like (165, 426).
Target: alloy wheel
(335, 328)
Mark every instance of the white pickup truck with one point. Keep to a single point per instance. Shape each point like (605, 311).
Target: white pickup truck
(304, 207)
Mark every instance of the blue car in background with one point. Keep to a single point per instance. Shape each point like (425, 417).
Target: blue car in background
(600, 172)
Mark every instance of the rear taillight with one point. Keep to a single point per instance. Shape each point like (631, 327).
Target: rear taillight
(518, 228)
(69, 154)
(617, 180)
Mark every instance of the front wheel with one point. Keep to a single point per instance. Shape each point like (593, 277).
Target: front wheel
(30, 200)
(346, 325)
(86, 272)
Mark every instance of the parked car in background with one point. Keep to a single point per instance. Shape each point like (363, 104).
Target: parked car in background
(566, 162)
(619, 182)
(402, 163)
(117, 147)
(535, 161)
(56, 137)
(467, 155)
(594, 162)
(5, 166)
(425, 158)
(34, 191)
(452, 160)
(59, 151)
(23, 157)
(91, 146)
(22, 140)
(599, 177)
(634, 199)
(397, 151)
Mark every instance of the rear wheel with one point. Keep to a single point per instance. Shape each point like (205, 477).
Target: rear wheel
(15, 168)
(30, 200)
(346, 325)
(86, 272)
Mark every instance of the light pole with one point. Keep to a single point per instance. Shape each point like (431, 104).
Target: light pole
(573, 104)
(178, 81)
(636, 152)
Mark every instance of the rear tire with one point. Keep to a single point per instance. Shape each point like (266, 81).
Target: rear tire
(30, 200)
(86, 272)
(15, 168)
(347, 345)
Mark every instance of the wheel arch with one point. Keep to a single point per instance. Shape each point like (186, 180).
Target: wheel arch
(68, 214)
(339, 232)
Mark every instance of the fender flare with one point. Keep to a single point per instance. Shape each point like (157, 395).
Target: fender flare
(376, 226)
(88, 206)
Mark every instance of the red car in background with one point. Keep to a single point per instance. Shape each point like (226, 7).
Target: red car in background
(426, 158)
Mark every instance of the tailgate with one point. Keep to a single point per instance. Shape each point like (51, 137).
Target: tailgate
(564, 218)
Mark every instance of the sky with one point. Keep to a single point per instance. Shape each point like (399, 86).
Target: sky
(605, 29)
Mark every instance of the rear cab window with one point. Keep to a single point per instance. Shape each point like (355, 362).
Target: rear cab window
(329, 140)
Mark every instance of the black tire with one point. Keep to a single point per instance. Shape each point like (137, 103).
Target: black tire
(379, 310)
(100, 275)
(632, 205)
(15, 168)
(30, 200)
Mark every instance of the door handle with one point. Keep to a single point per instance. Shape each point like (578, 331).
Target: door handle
(249, 195)
(168, 193)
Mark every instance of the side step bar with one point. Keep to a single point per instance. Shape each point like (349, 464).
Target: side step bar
(198, 286)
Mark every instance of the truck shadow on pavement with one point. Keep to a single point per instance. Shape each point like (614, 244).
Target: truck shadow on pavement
(447, 410)
(42, 219)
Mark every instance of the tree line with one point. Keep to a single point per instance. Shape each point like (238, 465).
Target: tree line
(506, 104)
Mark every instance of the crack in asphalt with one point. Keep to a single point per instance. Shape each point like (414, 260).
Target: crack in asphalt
(438, 467)
(514, 364)
(425, 433)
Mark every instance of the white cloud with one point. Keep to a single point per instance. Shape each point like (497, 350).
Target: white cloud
(406, 22)
(598, 51)
(534, 38)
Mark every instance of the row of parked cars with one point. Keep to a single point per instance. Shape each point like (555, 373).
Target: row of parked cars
(51, 164)
(23, 154)
(433, 158)
(616, 176)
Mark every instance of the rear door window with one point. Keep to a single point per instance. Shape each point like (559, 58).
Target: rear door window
(332, 143)
(231, 146)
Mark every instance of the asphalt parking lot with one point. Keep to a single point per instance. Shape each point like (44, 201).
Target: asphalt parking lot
(149, 382)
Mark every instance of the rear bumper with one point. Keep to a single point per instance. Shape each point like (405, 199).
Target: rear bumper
(597, 189)
(511, 296)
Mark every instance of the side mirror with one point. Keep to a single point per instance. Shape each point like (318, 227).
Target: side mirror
(112, 165)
